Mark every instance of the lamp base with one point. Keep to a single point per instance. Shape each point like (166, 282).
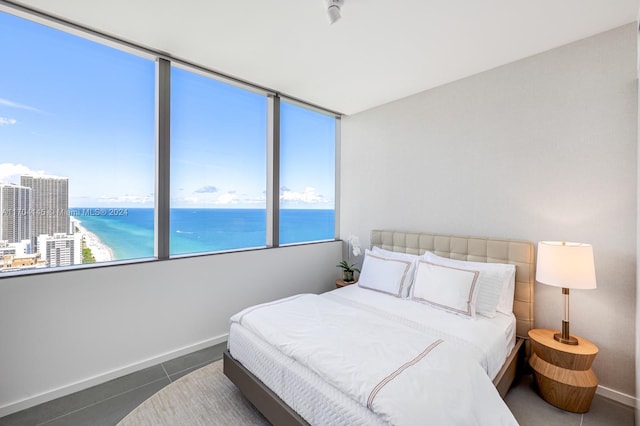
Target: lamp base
(568, 340)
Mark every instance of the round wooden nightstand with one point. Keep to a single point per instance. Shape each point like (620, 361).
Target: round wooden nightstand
(341, 283)
(563, 372)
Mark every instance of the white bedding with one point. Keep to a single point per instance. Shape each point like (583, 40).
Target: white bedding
(495, 337)
(318, 402)
(404, 370)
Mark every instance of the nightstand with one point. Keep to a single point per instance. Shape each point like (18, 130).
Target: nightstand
(563, 372)
(341, 283)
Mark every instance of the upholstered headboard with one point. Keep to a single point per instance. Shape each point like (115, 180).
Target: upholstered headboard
(519, 253)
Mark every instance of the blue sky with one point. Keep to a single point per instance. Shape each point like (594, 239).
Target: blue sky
(75, 108)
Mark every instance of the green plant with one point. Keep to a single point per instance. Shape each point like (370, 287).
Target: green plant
(347, 267)
(344, 265)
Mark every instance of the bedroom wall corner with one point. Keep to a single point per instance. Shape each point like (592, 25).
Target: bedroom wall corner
(542, 148)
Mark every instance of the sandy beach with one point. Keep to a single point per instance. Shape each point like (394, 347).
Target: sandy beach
(100, 251)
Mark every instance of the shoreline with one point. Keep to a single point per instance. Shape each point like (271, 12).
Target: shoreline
(100, 251)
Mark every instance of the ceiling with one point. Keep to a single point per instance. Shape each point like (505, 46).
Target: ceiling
(378, 52)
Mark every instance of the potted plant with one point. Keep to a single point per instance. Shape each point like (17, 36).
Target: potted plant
(347, 270)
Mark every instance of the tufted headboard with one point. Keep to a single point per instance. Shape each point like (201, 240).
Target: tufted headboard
(519, 253)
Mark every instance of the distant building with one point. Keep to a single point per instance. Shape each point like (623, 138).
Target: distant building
(18, 256)
(7, 249)
(12, 262)
(15, 213)
(18, 249)
(60, 249)
(49, 203)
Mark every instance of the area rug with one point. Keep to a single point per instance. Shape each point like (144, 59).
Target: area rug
(203, 397)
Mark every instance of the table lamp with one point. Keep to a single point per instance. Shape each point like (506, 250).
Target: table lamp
(566, 265)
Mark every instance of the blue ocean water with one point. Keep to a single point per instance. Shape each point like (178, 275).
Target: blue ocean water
(129, 231)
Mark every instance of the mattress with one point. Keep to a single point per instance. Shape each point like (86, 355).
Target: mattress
(322, 403)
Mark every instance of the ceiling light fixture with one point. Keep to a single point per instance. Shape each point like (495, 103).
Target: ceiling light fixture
(333, 10)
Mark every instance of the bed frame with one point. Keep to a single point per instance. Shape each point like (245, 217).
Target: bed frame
(519, 253)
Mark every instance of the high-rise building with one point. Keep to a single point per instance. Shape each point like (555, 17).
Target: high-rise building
(60, 249)
(49, 203)
(15, 213)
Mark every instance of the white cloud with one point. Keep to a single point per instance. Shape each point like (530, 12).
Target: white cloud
(309, 195)
(4, 121)
(11, 104)
(208, 199)
(131, 199)
(10, 172)
(255, 200)
(201, 199)
(207, 189)
(226, 198)
(193, 199)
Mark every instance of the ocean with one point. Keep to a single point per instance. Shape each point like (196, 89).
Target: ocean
(129, 231)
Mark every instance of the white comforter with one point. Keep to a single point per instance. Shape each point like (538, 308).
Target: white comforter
(407, 373)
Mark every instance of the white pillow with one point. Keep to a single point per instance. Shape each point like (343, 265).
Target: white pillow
(505, 304)
(413, 258)
(384, 274)
(445, 287)
(493, 280)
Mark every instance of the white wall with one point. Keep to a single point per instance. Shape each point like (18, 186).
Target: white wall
(542, 148)
(64, 331)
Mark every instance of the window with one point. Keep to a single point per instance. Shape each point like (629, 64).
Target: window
(218, 165)
(307, 174)
(77, 133)
(78, 176)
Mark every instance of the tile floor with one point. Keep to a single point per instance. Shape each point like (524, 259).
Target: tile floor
(110, 402)
(531, 410)
(107, 404)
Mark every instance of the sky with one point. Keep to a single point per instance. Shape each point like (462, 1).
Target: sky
(75, 108)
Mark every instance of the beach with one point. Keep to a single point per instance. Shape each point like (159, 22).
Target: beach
(100, 251)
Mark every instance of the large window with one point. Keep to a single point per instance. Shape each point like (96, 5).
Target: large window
(307, 175)
(85, 176)
(218, 165)
(77, 137)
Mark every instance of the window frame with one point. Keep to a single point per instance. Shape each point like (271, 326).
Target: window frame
(336, 138)
(162, 83)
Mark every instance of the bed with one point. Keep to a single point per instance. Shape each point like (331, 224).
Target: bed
(296, 384)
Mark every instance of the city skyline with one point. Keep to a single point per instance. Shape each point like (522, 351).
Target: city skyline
(86, 111)
(35, 227)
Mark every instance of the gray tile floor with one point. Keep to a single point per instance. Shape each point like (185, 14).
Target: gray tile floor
(110, 402)
(107, 404)
(531, 410)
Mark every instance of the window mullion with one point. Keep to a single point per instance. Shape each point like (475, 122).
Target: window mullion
(273, 171)
(338, 168)
(163, 151)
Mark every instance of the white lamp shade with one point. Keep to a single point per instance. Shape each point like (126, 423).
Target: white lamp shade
(568, 265)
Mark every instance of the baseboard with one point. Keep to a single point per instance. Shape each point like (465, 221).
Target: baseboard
(13, 407)
(620, 397)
